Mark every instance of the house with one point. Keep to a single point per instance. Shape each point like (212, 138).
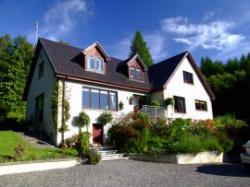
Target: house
(93, 82)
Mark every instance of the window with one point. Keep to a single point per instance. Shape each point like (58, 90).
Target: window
(99, 99)
(39, 108)
(179, 104)
(113, 100)
(85, 97)
(201, 105)
(40, 70)
(188, 77)
(95, 64)
(95, 98)
(136, 74)
(104, 100)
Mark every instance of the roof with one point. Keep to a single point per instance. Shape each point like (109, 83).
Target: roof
(67, 63)
(63, 59)
(160, 73)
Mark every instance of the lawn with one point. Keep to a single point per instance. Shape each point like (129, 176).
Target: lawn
(9, 140)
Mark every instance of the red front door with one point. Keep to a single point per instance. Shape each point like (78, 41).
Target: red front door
(97, 134)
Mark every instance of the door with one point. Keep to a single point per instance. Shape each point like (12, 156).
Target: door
(97, 134)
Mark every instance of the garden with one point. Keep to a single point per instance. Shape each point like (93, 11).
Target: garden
(137, 133)
(15, 148)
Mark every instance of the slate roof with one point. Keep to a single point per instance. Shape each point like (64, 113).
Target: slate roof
(65, 61)
(159, 73)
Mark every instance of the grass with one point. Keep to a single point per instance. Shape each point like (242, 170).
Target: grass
(9, 140)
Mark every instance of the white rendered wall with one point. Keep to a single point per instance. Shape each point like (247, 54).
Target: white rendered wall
(74, 94)
(177, 87)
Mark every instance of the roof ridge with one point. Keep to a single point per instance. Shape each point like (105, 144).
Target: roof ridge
(58, 43)
(158, 63)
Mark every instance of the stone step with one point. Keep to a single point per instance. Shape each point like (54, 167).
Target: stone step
(107, 152)
(116, 156)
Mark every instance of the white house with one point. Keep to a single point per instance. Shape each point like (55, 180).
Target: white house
(93, 82)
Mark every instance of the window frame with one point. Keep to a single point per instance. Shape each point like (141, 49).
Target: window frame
(99, 95)
(189, 79)
(102, 64)
(133, 76)
(205, 109)
(175, 105)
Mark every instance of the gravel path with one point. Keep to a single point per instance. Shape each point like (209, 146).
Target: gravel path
(134, 173)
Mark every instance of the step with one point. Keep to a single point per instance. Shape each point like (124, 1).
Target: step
(107, 152)
(116, 156)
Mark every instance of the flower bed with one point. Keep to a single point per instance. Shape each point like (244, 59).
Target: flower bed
(136, 133)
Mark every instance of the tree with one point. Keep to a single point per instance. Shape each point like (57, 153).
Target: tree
(139, 46)
(230, 84)
(15, 59)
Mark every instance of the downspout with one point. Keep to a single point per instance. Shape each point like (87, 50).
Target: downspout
(63, 120)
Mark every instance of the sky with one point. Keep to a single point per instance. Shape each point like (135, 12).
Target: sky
(219, 29)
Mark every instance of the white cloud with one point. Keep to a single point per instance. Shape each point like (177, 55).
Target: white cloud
(61, 18)
(157, 45)
(213, 35)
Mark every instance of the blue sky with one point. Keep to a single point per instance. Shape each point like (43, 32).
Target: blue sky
(218, 29)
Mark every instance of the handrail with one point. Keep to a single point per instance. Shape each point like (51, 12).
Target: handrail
(153, 111)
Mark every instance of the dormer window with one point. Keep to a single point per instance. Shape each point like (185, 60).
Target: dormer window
(95, 64)
(136, 74)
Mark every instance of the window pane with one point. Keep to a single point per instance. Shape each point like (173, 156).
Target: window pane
(92, 63)
(85, 97)
(104, 104)
(94, 98)
(113, 100)
(180, 104)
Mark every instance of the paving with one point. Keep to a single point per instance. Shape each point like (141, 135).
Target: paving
(35, 140)
(135, 173)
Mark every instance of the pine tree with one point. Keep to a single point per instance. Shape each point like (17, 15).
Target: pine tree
(139, 46)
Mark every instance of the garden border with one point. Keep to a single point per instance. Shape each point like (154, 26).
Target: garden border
(197, 158)
(23, 167)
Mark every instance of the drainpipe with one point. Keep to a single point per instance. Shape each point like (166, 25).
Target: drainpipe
(63, 99)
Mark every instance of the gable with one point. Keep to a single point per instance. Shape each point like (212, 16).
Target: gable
(176, 81)
(136, 62)
(94, 52)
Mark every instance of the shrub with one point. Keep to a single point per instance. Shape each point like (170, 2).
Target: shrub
(82, 145)
(168, 102)
(105, 118)
(155, 103)
(155, 146)
(93, 157)
(19, 151)
(229, 121)
(72, 142)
